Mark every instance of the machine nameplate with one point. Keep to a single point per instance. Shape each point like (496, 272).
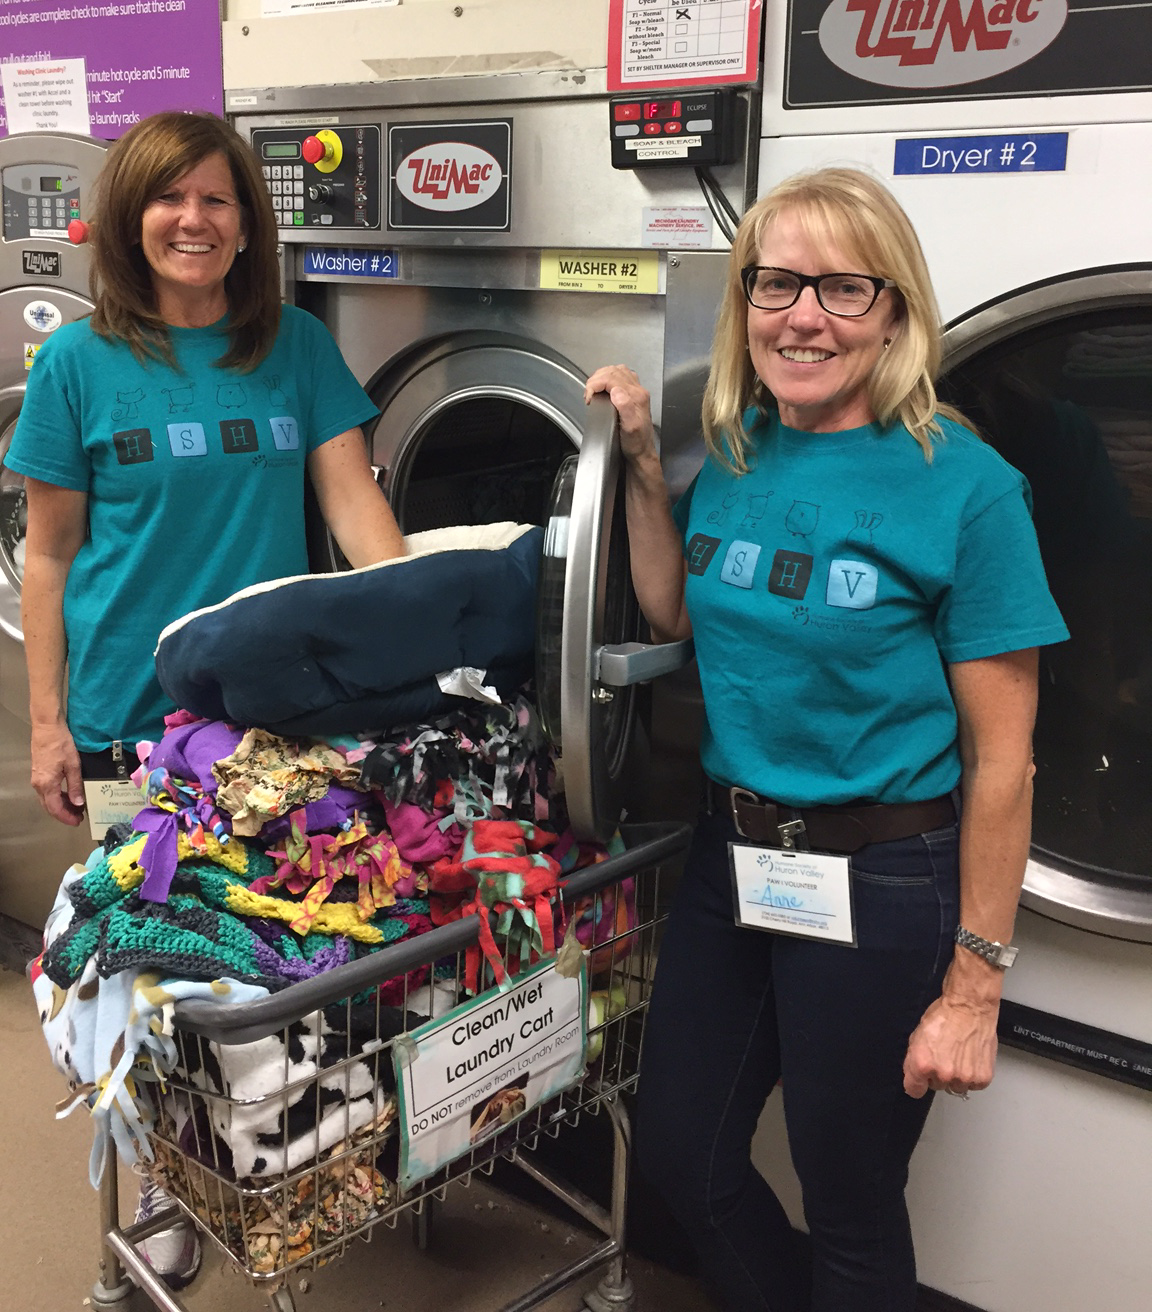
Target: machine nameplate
(1038, 152)
(41, 264)
(346, 262)
(600, 271)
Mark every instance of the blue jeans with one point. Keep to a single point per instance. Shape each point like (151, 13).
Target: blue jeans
(734, 1011)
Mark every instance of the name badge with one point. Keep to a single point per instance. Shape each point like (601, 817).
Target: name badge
(808, 894)
(110, 802)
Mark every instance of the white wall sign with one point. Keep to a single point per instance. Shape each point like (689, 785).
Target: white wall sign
(46, 97)
(680, 227)
(288, 8)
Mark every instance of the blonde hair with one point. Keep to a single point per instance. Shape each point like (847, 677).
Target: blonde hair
(140, 167)
(862, 219)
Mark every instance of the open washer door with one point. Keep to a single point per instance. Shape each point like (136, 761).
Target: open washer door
(1059, 379)
(479, 427)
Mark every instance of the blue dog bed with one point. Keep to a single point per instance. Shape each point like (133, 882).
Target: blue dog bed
(359, 652)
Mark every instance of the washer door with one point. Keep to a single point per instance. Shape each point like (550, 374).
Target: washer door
(1059, 379)
(477, 429)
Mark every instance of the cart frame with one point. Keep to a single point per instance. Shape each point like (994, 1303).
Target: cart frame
(221, 1208)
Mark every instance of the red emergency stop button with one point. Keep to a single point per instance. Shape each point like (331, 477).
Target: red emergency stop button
(313, 150)
(77, 232)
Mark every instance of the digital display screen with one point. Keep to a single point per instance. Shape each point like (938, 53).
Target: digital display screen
(51, 184)
(661, 109)
(281, 150)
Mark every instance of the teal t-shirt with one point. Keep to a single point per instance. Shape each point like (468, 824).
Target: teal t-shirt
(195, 483)
(830, 587)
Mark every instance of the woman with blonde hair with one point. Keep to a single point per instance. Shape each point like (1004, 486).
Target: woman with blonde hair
(861, 578)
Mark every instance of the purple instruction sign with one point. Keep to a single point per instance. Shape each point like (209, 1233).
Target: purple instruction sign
(141, 56)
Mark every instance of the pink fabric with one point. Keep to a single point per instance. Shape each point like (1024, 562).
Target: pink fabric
(417, 833)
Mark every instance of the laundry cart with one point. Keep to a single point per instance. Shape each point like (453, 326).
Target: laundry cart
(331, 1101)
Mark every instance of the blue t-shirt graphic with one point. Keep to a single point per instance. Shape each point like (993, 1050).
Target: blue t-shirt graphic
(195, 483)
(830, 587)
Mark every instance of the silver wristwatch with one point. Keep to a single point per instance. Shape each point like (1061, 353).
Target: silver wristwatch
(996, 954)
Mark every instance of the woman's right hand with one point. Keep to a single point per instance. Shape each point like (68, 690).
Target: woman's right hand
(633, 404)
(56, 773)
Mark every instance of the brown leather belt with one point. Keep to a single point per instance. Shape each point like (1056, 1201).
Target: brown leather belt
(842, 829)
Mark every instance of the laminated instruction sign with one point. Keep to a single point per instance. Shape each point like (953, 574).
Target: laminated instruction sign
(465, 1076)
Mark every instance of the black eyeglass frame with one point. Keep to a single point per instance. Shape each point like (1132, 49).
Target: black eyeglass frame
(813, 281)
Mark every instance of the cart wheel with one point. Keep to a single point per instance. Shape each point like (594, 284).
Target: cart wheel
(103, 1299)
(422, 1222)
(610, 1297)
(282, 1300)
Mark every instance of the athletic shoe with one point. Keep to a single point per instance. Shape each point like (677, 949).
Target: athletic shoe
(174, 1253)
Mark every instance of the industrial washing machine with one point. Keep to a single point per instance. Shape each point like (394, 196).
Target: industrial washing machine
(476, 256)
(46, 180)
(1033, 213)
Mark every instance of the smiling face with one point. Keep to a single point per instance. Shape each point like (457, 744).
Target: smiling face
(814, 363)
(190, 235)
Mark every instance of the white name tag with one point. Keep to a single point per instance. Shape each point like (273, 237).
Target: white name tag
(110, 802)
(804, 893)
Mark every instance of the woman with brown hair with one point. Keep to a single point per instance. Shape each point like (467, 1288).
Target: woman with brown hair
(165, 442)
(861, 578)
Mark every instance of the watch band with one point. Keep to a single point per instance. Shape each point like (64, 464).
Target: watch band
(996, 954)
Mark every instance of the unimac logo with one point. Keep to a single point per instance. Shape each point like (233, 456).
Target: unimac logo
(937, 43)
(449, 176)
(42, 264)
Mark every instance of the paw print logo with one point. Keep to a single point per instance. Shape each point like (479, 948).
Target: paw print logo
(259, 461)
(800, 614)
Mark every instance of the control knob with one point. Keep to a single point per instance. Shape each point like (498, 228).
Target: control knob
(320, 191)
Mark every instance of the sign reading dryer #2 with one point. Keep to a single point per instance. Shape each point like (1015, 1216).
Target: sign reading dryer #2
(856, 52)
(450, 175)
(462, 1078)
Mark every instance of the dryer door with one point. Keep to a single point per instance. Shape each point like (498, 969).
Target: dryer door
(1059, 379)
(480, 427)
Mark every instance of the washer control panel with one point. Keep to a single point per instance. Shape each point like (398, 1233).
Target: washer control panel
(40, 200)
(322, 177)
(693, 127)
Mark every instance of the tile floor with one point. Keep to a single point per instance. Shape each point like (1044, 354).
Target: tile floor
(486, 1247)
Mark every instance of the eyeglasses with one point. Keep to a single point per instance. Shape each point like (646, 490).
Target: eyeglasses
(848, 295)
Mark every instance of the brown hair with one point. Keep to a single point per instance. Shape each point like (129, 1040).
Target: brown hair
(140, 167)
(851, 211)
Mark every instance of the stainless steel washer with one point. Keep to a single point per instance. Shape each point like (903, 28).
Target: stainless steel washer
(46, 180)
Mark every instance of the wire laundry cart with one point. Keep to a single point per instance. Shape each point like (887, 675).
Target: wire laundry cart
(331, 1122)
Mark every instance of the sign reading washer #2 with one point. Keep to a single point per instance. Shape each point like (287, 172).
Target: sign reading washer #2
(455, 176)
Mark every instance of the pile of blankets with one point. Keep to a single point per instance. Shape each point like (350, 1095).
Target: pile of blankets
(258, 861)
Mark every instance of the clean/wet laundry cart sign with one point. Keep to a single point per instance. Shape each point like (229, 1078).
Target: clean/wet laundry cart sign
(1038, 152)
(464, 1077)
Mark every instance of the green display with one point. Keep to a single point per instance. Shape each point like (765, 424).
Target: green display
(281, 150)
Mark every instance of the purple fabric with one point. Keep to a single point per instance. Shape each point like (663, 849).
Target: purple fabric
(190, 751)
(417, 833)
(325, 815)
(271, 963)
(160, 854)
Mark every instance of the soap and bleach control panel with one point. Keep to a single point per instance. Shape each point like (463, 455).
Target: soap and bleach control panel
(324, 177)
(40, 200)
(694, 127)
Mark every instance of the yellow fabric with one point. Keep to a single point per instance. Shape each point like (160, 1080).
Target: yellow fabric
(335, 918)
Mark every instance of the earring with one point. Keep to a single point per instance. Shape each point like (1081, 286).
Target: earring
(242, 246)
(887, 340)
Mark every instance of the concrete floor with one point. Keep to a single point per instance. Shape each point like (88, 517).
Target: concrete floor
(486, 1248)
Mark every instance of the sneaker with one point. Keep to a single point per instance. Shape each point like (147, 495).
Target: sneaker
(174, 1253)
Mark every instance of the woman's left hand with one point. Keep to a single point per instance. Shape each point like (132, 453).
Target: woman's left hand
(953, 1049)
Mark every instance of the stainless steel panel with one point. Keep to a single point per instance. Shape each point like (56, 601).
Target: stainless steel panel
(378, 328)
(695, 285)
(565, 192)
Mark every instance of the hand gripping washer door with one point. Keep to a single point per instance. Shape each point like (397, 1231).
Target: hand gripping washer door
(588, 661)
